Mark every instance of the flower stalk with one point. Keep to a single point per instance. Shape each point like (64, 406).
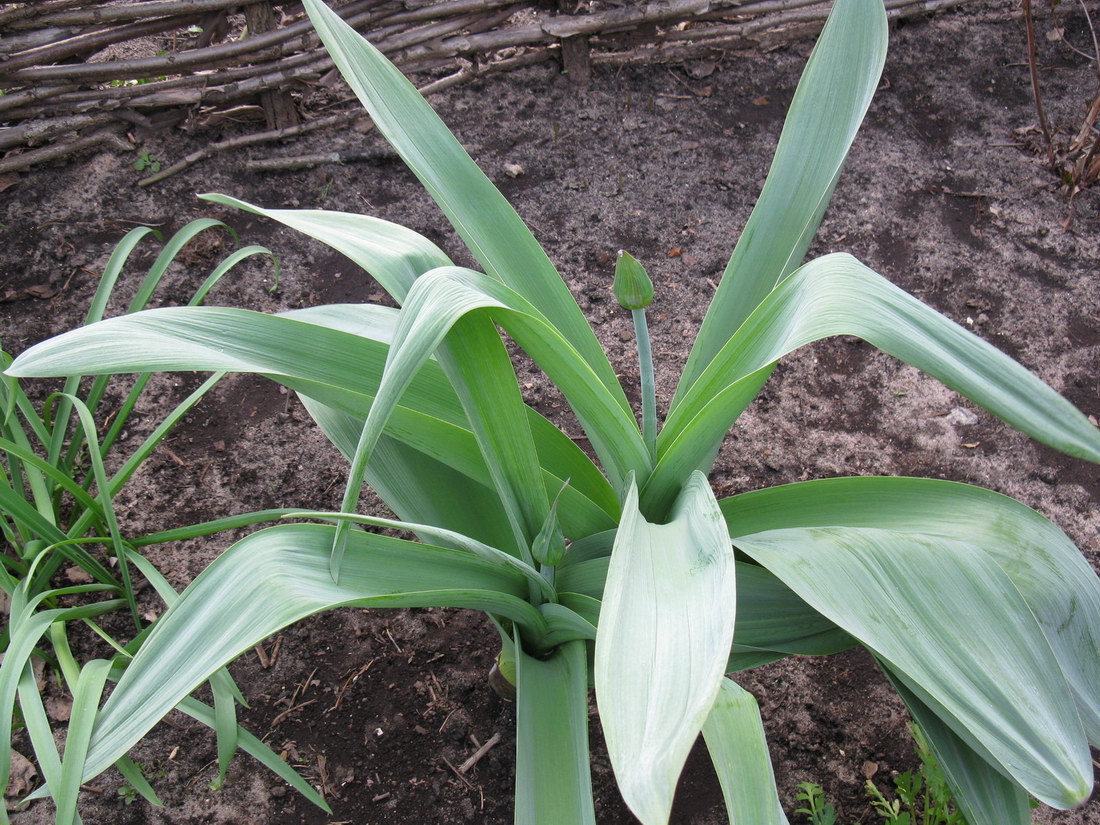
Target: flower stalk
(634, 291)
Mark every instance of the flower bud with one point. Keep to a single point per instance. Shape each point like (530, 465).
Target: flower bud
(633, 289)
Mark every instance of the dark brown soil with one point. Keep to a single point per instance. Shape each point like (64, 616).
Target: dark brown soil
(379, 708)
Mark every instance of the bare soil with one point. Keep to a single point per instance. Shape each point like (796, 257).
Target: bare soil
(379, 708)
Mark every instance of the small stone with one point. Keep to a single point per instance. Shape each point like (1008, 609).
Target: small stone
(513, 170)
(963, 416)
(78, 575)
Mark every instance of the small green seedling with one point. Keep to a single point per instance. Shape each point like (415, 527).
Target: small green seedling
(146, 163)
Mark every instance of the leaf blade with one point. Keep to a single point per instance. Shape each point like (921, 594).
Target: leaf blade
(914, 600)
(665, 631)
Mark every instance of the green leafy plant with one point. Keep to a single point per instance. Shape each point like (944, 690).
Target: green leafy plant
(818, 810)
(626, 571)
(923, 796)
(57, 512)
(146, 163)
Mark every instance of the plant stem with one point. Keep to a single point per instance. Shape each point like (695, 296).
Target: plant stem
(649, 391)
(1033, 66)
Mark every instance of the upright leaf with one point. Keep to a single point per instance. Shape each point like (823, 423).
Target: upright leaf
(828, 107)
(492, 230)
(553, 778)
(735, 738)
(665, 631)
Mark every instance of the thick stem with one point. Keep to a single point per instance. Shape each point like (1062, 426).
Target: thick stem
(649, 391)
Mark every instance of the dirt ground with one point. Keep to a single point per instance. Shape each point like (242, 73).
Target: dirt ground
(379, 707)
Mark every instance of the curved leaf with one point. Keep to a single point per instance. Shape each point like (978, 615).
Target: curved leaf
(837, 295)
(443, 296)
(485, 221)
(665, 631)
(984, 795)
(271, 579)
(828, 106)
(1055, 580)
(393, 255)
(944, 616)
(333, 354)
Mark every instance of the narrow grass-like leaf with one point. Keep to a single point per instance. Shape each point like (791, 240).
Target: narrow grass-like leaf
(492, 230)
(915, 601)
(131, 772)
(665, 631)
(984, 794)
(1055, 580)
(86, 697)
(271, 579)
(553, 778)
(26, 628)
(259, 751)
(735, 739)
(38, 726)
(828, 106)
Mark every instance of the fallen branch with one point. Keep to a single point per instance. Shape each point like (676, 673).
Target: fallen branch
(24, 160)
(307, 161)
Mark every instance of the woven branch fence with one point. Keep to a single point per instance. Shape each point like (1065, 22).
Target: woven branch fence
(77, 74)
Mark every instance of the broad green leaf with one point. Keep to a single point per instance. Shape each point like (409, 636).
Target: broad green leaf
(443, 296)
(441, 537)
(945, 617)
(984, 795)
(837, 295)
(1053, 577)
(771, 616)
(270, 580)
(393, 255)
(558, 454)
(665, 631)
(326, 355)
(735, 739)
(553, 779)
(828, 106)
(397, 471)
(486, 222)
